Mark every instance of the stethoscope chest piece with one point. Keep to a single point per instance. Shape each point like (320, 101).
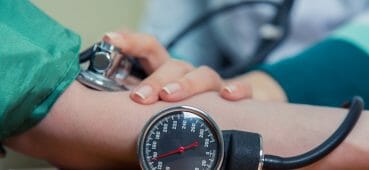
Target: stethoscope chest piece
(107, 67)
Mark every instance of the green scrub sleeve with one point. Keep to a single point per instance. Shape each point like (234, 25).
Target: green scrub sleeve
(330, 72)
(38, 61)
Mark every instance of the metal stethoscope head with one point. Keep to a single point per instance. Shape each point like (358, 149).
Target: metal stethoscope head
(107, 68)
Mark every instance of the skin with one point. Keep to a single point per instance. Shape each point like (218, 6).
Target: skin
(262, 87)
(87, 129)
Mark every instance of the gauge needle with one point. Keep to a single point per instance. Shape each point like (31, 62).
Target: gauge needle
(180, 149)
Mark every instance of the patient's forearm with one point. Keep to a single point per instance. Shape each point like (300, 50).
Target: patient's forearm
(104, 126)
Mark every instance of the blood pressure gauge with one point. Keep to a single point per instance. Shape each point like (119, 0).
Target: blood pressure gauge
(181, 137)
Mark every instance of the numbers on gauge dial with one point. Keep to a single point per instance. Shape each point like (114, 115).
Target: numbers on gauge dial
(179, 140)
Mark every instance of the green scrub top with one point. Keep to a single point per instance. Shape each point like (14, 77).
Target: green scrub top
(38, 60)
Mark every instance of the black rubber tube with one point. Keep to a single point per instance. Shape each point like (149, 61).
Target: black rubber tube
(202, 20)
(265, 47)
(276, 162)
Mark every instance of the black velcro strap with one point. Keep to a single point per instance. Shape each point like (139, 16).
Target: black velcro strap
(242, 150)
(2, 151)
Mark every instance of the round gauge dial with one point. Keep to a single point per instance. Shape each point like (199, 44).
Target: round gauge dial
(181, 138)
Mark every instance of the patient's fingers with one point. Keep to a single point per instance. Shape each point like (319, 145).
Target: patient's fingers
(236, 91)
(144, 47)
(197, 81)
(148, 90)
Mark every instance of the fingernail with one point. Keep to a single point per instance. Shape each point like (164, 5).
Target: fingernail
(172, 88)
(112, 35)
(230, 88)
(144, 92)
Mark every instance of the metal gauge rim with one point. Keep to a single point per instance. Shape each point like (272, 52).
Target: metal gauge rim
(153, 120)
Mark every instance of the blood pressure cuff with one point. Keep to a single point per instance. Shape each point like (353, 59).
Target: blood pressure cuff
(329, 72)
(38, 61)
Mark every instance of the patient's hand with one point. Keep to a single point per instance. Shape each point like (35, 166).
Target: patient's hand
(169, 79)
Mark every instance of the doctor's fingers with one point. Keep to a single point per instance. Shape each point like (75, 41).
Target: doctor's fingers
(147, 92)
(236, 90)
(197, 81)
(146, 48)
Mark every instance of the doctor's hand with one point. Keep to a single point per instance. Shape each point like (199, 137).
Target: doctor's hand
(169, 79)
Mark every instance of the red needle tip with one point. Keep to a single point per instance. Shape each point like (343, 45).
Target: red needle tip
(181, 149)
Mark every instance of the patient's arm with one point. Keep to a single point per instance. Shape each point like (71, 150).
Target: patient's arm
(90, 129)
